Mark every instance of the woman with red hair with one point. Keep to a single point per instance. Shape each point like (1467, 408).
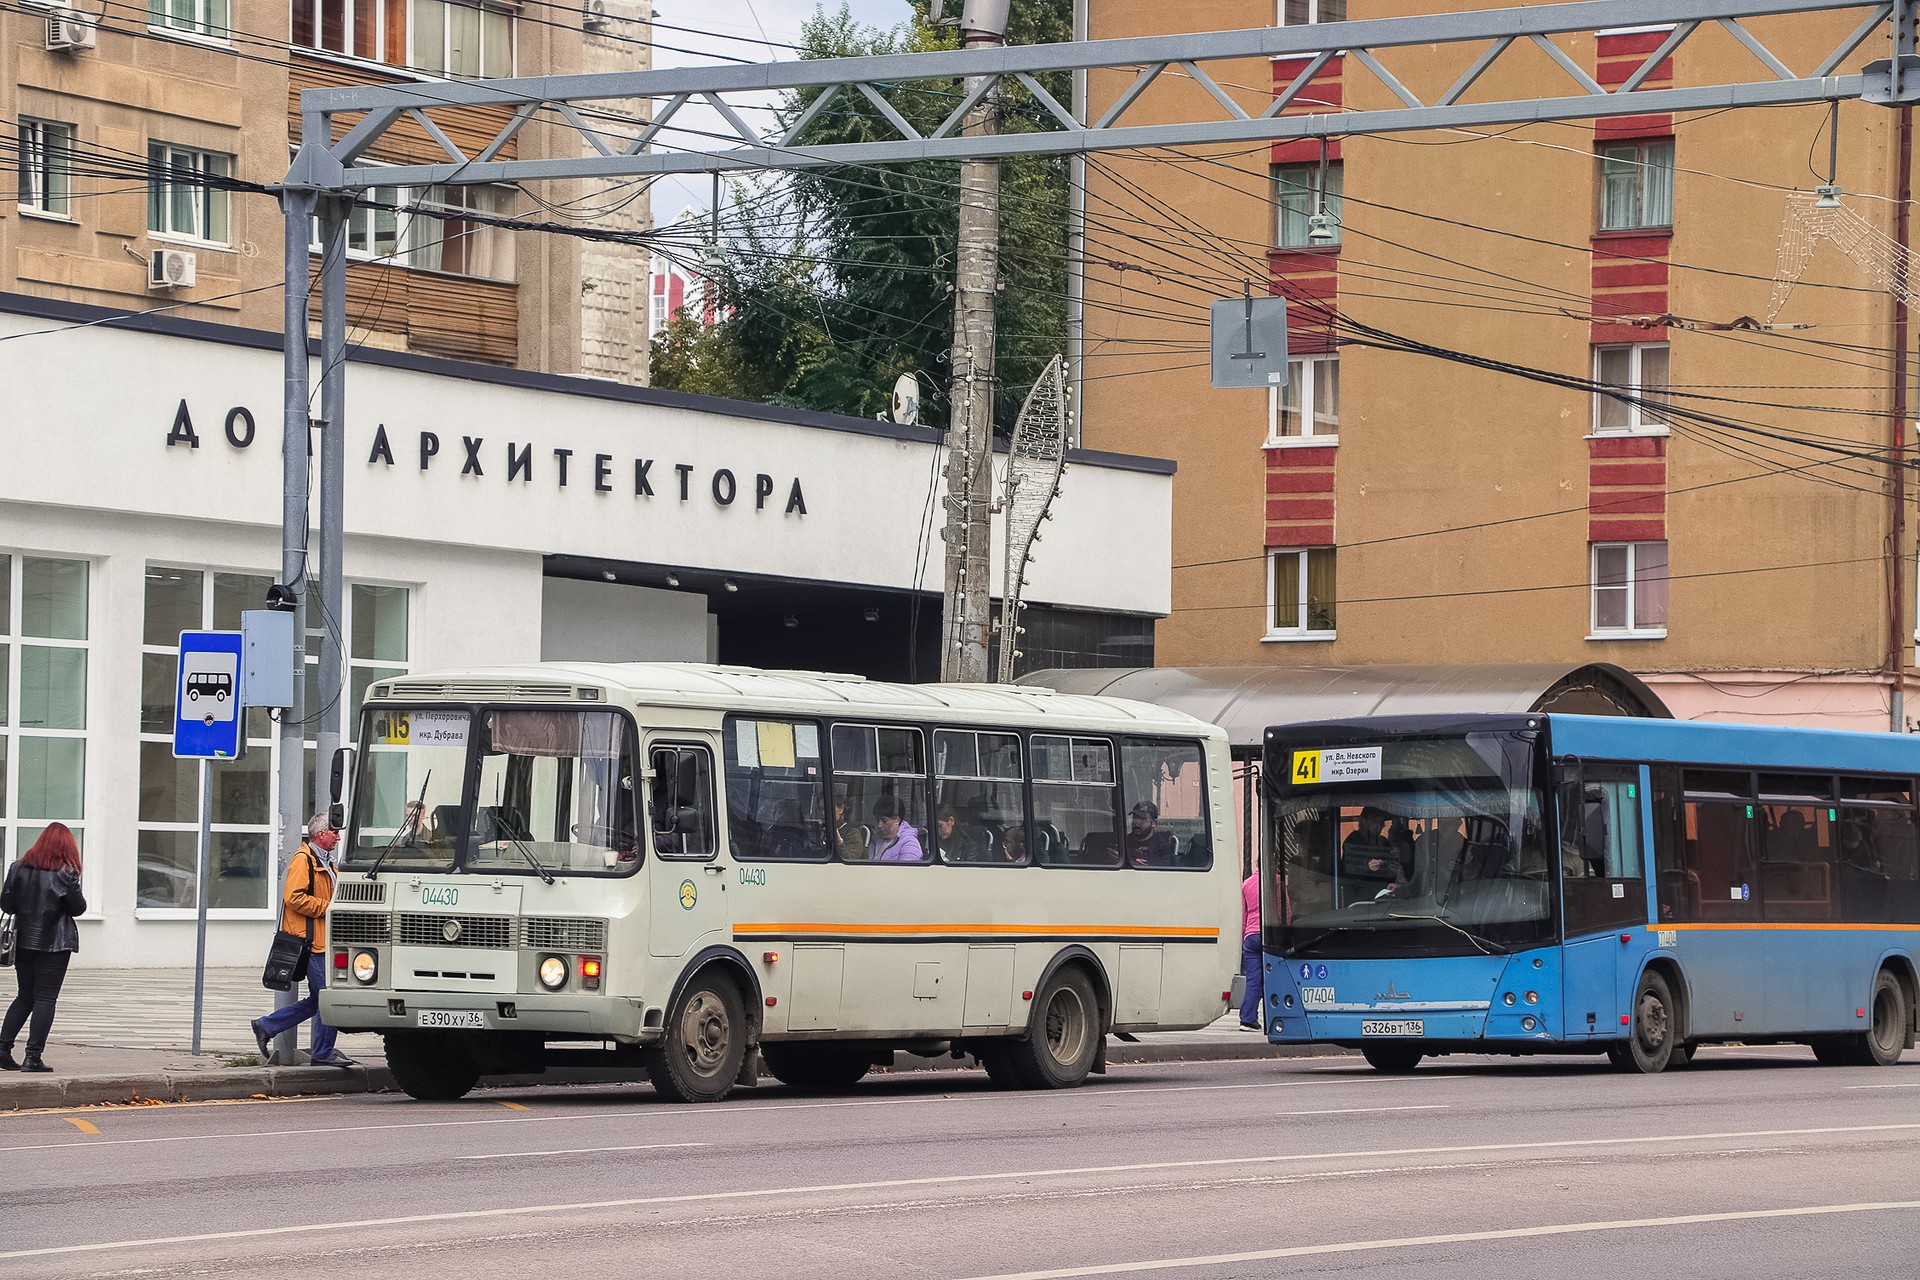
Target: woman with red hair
(42, 892)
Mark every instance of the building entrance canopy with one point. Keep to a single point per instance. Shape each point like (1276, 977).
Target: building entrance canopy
(1245, 701)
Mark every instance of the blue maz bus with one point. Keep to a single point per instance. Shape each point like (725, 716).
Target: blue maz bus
(1579, 884)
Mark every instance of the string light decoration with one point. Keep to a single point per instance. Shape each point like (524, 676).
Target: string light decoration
(1036, 458)
(1813, 216)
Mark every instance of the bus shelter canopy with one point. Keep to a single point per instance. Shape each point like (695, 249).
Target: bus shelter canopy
(1246, 701)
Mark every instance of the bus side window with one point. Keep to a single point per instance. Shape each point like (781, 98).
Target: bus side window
(1170, 778)
(682, 801)
(1600, 857)
(776, 790)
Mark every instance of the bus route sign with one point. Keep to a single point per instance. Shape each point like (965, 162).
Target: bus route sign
(207, 723)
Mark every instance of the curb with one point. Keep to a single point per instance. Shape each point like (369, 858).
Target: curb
(18, 1093)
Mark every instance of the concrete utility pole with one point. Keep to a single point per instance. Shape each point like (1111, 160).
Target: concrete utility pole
(968, 598)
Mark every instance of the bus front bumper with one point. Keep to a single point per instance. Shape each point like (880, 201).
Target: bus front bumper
(584, 1016)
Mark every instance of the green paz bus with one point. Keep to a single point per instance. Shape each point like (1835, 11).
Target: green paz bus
(1580, 884)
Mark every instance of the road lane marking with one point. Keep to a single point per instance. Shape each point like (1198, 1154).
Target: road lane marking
(743, 1107)
(953, 1179)
(84, 1126)
(581, 1151)
(513, 1106)
(1914, 1085)
(1463, 1237)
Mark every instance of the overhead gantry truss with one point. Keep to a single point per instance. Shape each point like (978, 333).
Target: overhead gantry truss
(603, 109)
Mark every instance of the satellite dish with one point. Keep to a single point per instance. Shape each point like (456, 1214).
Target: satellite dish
(906, 400)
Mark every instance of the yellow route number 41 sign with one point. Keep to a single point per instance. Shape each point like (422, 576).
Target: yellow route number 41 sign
(1334, 764)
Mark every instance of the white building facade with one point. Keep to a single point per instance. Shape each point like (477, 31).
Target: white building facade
(492, 516)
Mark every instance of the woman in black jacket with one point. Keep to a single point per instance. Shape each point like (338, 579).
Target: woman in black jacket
(42, 893)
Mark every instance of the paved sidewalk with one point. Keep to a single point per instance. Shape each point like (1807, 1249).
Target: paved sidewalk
(125, 1035)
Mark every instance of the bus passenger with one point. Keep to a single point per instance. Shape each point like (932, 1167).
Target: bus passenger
(849, 838)
(1147, 845)
(893, 839)
(1367, 854)
(1013, 846)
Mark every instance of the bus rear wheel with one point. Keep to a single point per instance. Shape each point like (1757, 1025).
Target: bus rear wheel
(816, 1068)
(1063, 1035)
(699, 1057)
(1394, 1059)
(430, 1066)
(1652, 1040)
(1881, 1044)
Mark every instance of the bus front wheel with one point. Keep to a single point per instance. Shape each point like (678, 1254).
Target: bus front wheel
(699, 1057)
(1886, 1035)
(1063, 1035)
(430, 1066)
(1394, 1059)
(817, 1068)
(1651, 1042)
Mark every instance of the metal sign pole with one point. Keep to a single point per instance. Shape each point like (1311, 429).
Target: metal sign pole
(200, 898)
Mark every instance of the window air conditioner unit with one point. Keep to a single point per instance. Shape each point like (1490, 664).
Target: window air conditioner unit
(171, 269)
(594, 16)
(69, 30)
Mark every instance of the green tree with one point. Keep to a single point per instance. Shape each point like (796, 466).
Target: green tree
(837, 280)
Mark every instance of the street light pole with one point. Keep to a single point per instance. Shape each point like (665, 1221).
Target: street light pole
(968, 589)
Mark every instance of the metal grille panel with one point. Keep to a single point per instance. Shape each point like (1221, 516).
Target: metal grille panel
(360, 891)
(479, 691)
(418, 929)
(561, 934)
(359, 926)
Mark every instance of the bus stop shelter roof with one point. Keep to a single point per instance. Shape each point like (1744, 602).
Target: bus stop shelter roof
(1246, 701)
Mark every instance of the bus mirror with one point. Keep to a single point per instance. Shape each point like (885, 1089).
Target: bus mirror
(337, 780)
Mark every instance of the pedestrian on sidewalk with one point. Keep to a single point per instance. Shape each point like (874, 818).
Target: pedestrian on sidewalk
(304, 899)
(42, 893)
(1250, 952)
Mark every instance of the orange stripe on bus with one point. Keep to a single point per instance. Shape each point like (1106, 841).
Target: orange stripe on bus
(896, 930)
(1785, 924)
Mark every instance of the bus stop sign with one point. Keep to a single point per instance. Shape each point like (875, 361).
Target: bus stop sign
(207, 724)
(1248, 337)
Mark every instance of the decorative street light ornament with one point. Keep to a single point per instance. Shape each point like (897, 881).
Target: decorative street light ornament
(1035, 459)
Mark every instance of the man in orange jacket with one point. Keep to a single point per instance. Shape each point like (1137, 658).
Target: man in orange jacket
(303, 910)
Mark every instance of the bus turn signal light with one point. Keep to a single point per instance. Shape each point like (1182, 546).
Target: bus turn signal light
(590, 972)
(770, 957)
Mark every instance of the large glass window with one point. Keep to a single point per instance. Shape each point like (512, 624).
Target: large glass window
(201, 17)
(1076, 803)
(880, 794)
(375, 30)
(46, 167)
(407, 811)
(1407, 847)
(44, 698)
(555, 793)
(1301, 593)
(462, 40)
(776, 790)
(1636, 186)
(1630, 589)
(448, 231)
(980, 812)
(184, 198)
(1168, 824)
(1299, 192)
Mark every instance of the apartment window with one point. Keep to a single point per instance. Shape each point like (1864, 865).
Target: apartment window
(462, 40)
(1629, 589)
(376, 227)
(43, 699)
(1308, 407)
(1297, 196)
(181, 201)
(372, 29)
(1297, 13)
(202, 17)
(1300, 593)
(46, 167)
(1636, 186)
(240, 860)
(444, 235)
(1640, 371)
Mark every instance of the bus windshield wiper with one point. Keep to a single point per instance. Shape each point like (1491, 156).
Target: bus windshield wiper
(532, 858)
(1322, 936)
(1487, 945)
(408, 829)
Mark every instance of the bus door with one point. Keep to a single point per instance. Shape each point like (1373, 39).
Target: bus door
(688, 881)
(1603, 894)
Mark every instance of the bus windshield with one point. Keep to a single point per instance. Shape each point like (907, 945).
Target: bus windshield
(554, 792)
(1408, 847)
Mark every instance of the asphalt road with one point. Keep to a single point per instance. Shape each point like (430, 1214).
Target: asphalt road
(1753, 1163)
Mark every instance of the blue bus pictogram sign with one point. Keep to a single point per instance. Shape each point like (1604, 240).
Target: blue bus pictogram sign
(207, 724)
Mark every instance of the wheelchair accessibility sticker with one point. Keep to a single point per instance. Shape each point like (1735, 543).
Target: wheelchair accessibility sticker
(688, 894)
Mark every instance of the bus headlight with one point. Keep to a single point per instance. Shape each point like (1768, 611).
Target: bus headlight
(553, 973)
(366, 966)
